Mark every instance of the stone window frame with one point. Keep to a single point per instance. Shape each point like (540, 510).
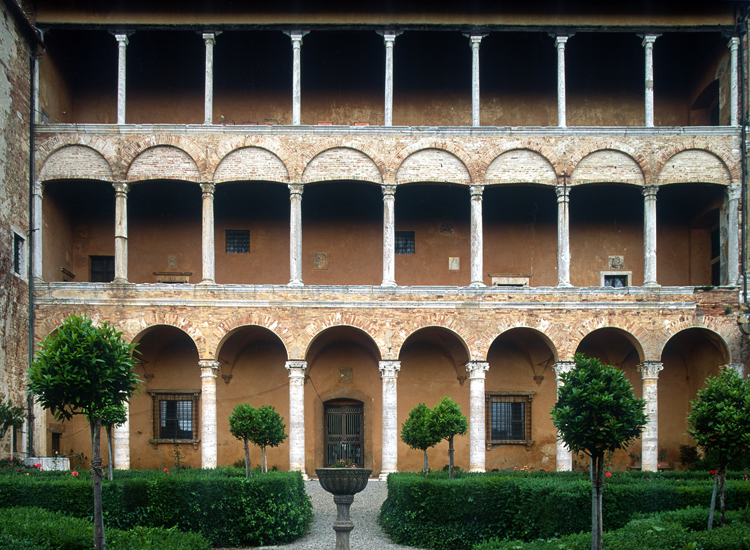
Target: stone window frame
(628, 274)
(524, 397)
(19, 257)
(191, 396)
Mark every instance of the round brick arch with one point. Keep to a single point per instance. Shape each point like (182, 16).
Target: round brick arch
(535, 161)
(105, 148)
(313, 330)
(272, 144)
(271, 168)
(724, 154)
(367, 148)
(76, 161)
(723, 333)
(489, 155)
(615, 175)
(139, 144)
(224, 328)
(542, 329)
(135, 326)
(635, 333)
(471, 342)
(685, 164)
(348, 170)
(393, 166)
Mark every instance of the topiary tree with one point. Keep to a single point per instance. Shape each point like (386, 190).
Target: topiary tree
(417, 431)
(112, 417)
(11, 416)
(447, 421)
(242, 426)
(596, 413)
(269, 431)
(720, 422)
(83, 369)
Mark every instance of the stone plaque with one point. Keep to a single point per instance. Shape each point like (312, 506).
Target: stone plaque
(616, 262)
(320, 260)
(345, 376)
(172, 261)
(454, 264)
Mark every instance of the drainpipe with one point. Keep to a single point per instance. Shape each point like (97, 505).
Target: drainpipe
(30, 262)
(741, 32)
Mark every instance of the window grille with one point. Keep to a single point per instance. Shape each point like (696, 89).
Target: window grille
(18, 253)
(508, 418)
(175, 416)
(238, 241)
(404, 242)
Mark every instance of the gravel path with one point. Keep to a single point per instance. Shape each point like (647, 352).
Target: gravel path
(367, 534)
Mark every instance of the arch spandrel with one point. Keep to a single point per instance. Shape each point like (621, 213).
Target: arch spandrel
(433, 165)
(163, 162)
(251, 163)
(608, 166)
(76, 161)
(695, 166)
(342, 163)
(520, 166)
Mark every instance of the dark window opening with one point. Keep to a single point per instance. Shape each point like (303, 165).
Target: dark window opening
(404, 242)
(102, 269)
(344, 433)
(616, 281)
(56, 443)
(509, 418)
(238, 241)
(715, 257)
(18, 247)
(176, 416)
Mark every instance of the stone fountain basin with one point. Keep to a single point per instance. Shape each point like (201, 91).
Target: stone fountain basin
(343, 481)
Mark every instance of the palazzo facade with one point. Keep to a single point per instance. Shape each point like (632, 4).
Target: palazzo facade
(346, 213)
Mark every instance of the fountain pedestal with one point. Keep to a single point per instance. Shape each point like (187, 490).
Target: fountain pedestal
(343, 483)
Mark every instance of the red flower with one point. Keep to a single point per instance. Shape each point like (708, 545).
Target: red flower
(608, 474)
(37, 465)
(712, 472)
(74, 473)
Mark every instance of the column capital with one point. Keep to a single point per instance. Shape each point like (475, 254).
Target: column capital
(209, 367)
(296, 188)
(476, 369)
(475, 38)
(649, 191)
(733, 43)
(476, 191)
(389, 36)
(734, 192)
(562, 367)
(121, 187)
(38, 188)
(296, 368)
(649, 39)
(388, 190)
(208, 188)
(122, 38)
(389, 369)
(563, 192)
(296, 36)
(210, 37)
(650, 369)
(560, 40)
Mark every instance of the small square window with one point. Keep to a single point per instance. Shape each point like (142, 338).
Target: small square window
(19, 249)
(509, 418)
(102, 269)
(175, 416)
(238, 241)
(404, 242)
(615, 279)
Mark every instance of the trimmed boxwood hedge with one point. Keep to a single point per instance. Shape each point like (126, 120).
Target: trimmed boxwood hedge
(431, 511)
(227, 509)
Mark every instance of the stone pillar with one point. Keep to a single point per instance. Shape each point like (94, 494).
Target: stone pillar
(475, 39)
(296, 76)
(650, 436)
(564, 459)
(208, 105)
(739, 368)
(477, 439)
(477, 243)
(209, 443)
(122, 43)
(121, 436)
(560, 45)
(121, 232)
(389, 235)
(36, 232)
(297, 415)
(295, 234)
(208, 232)
(37, 108)
(390, 39)
(732, 202)
(389, 374)
(734, 112)
(563, 235)
(648, 44)
(649, 235)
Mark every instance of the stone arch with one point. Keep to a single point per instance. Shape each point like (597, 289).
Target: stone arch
(608, 166)
(163, 162)
(726, 154)
(107, 148)
(633, 332)
(695, 166)
(251, 163)
(547, 340)
(452, 148)
(303, 157)
(433, 165)
(304, 338)
(224, 331)
(722, 334)
(473, 345)
(76, 161)
(641, 156)
(134, 327)
(520, 166)
(272, 144)
(342, 163)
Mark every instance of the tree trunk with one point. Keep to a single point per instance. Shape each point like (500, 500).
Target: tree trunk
(248, 473)
(265, 459)
(722, 482)
(96, 467)
(713, 506)
(450, 457)
(426, 467)
(596, 474)
(111, 466)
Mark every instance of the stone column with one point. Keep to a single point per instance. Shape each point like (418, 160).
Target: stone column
(389, 375)
(37, 108)
(477, 436)
(734, 112)
(560, 45)
(648, 44)
(475, 39)
(208, 106)
(732, 202)
(389, 235)
(477, 243)
(649, 235)
(122, 43)
(121, 436)
(36, 231)
(208, 232)
(650, 436)
(121, 232)
(563, 235)
(209, 443)
(295, 234)
(296, 76)
(297, 415)
(390, 39)
(739, 368)
(564, 459)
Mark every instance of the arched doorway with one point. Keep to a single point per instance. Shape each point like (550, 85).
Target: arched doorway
(343, 431)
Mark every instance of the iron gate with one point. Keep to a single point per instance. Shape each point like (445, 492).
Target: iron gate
(344, 433)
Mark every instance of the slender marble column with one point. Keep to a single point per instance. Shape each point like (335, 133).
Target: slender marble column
(734, 107)
(121, 436)
(209, 442)
(37, 109)
(650, 437)
(477, 436)
(560, 45)
(477, 243)
(208, 232)
(389, 235)
(297, 415)
(564, 456)
(649, 235)
(732, 232)
(296, 76)
(389, 374)
(390, 39)
(648, 44)
(122, 43)
(208, 108)
(36, 231)
(121, 232)
(475, 39)
(295, 234)
(563, 235)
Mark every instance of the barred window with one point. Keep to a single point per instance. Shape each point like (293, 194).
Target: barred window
(404, 242)
(509, 418)
(102, 269)
(19, 251)
(238, 241)
(175, 416)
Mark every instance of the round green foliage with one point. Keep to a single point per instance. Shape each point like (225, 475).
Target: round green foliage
(242, 421)
(417, 431)
(269, 427)
(10, 415)
(448, 420)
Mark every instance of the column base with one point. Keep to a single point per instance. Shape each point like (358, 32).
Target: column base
(384, 475)
(651, 285)
(389, 284)
(476, 284)
(120, 281)
(564, 285)
(295, 284)
(207, 282)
